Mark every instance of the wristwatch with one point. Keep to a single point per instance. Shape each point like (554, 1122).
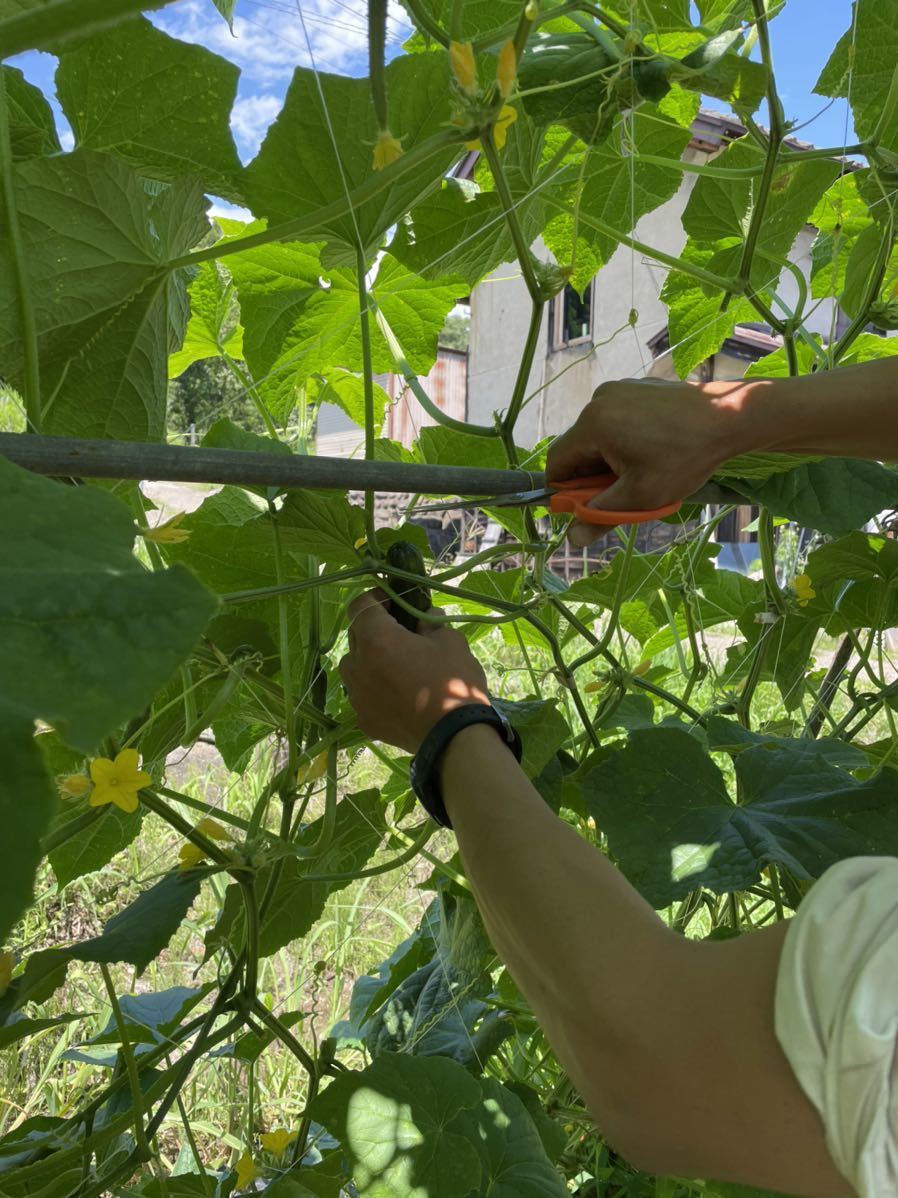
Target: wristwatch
(424, 771)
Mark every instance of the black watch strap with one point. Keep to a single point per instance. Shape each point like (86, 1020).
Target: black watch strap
(424, 770)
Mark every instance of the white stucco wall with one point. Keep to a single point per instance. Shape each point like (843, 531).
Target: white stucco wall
(500, 310)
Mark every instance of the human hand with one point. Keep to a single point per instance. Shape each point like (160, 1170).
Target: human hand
(399, 682)
(662, 440)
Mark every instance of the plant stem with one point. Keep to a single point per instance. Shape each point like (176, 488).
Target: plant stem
(282, 1033)
(151, 800)
(368, 382)
(773, 147)
(521, 381)
(828, 688)
(425, 22)
(32, 382)
(130, 1065)
(377, 37)
(874, 283)
(420, 835)
(768, 562)
(413, 382)
(248, 383)
(522, 249)
(289, 588)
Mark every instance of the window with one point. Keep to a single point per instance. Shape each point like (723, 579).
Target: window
(570, 317)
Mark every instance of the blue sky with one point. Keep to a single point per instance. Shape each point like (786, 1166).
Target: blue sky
(271, 39)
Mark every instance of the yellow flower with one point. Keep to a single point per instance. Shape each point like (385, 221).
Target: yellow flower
(72, 786)
(507, 116)
(507, 70)
(117, 781)
(7, 965)
(804, 590)
(464, 68)
(168, 533)
(191, 854)
(246, 1171)
(312, 771)
(277, 1141)
(387, 149)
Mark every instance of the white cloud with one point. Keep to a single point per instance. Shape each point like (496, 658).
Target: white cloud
(270, 36)
(67, 139)
(250, 117)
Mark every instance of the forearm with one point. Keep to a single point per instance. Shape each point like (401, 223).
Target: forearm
(851, 412)
(583, 946)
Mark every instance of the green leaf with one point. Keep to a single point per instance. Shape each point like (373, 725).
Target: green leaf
(458, 228)
(697, 327)
(542, 727)
(855, 582)
(140, 932)
(298, 171)
(299, 324)
(27, 802)
(231, 545)
(513, 1159)
(226, 8)
(325, 524)
(159, 103)
(715, 70)
(397, 1120)
(75, 600)
(106, 324)
(415, 309)
(42, 24)
(722, 14)
(214, 326)
(109, 251)
(862, 65)
(723, 598)
(618, 188)
(347, 391)
(719, 208)
(151, 1018)
(106, 632)
(672, 827)
(136, 935)
(448, 447)
(478, 17)
(32, 129)
(833, 496)
(729, 737)
(94, 846)
(17, 1027)
(298, 901)
(225, 434)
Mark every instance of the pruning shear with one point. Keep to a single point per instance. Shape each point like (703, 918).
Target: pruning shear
(569, 497)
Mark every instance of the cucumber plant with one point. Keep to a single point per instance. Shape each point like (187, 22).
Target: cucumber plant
(124, 641)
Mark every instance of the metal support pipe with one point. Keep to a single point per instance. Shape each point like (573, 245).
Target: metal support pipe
(70, 457)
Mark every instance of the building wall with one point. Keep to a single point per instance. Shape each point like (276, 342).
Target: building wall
(500, 309)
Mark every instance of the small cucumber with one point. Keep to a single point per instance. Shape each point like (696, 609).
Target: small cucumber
(402, 555)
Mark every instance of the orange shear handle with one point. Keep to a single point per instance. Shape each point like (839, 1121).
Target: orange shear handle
(574, 494)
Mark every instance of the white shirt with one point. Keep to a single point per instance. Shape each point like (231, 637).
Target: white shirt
(837, 1016)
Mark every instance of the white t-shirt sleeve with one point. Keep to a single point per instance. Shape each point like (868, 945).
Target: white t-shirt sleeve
(837, 1015)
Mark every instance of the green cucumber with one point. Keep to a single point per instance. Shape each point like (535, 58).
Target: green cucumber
(402, 555)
